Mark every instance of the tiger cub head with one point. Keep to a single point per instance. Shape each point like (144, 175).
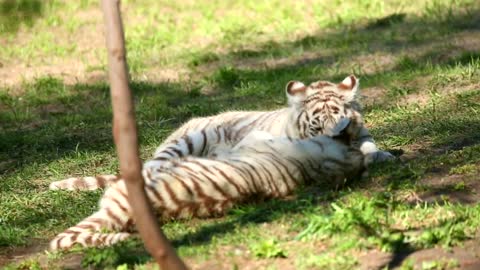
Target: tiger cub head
(322, 106)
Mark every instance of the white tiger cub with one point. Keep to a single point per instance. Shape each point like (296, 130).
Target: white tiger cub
(259, 166)
(314, 109)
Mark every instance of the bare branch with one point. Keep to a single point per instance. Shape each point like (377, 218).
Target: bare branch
(125, 136)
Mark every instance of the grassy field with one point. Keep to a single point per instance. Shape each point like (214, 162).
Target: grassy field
(419, 66)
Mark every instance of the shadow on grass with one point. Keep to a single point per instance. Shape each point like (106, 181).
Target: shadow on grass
(81, 118)
(393, 34)
(14, 13)
(308, 200)
(52, 120)
(242, 216)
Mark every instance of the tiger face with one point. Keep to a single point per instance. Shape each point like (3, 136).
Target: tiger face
(326, 108)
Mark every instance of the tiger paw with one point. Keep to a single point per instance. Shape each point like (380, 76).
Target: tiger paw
(379, 156)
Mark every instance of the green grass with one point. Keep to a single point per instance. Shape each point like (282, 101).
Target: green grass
(418, 64)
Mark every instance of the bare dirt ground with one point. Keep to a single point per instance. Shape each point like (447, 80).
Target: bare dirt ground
(466, 257)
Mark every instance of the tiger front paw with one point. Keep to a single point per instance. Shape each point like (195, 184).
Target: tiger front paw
(378, 157)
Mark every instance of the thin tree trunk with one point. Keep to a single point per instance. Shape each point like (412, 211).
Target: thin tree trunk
(125, 137)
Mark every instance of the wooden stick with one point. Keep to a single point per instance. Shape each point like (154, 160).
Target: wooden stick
(125, 137)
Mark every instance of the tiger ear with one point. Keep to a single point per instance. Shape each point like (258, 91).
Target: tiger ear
(350, 84)
(296, 92)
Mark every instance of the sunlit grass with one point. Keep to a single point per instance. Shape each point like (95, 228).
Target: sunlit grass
(229, 55)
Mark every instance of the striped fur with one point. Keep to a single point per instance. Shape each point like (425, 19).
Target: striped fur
(85, 183)
(260, 166)
(314, 109)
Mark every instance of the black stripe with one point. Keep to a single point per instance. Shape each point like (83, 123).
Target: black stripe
(207, 169)
(189, 143)
(175, 150)
(245, 174)
(278, 161)
(254, 182)
(204, 144)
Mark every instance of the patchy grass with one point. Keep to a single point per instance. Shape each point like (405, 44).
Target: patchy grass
(420, 72)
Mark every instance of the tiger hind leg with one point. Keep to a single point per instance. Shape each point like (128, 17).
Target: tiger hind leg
(105, 227)
(67, 239)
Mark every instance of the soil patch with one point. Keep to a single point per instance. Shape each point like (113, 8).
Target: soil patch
(465, 257)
